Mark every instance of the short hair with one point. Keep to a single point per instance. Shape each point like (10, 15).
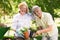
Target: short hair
(34, 7)
(23, 4)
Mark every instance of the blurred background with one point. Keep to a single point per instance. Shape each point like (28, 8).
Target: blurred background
(8, 8)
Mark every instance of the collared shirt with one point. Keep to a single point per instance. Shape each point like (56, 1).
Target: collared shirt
(20, 21)
(46, 20)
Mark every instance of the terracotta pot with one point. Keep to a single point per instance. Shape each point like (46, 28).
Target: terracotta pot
(26, 34)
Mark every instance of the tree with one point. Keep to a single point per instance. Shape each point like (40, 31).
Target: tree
(11, 6)
(5, 7)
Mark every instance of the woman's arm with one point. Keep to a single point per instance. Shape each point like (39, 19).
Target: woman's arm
(14, 24)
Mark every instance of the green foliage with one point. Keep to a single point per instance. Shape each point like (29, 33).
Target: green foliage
(11, 6)
(2, 32)
(5, 6)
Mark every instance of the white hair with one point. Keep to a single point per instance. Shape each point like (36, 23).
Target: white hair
(34, 7)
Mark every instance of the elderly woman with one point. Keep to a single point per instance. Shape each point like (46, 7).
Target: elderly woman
(21, 19)
(44, 20)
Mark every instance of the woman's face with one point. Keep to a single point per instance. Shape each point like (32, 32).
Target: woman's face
(38, 12)
(23, 10)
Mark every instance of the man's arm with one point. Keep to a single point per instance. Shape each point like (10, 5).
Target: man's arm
(50, 22)
(49, 28)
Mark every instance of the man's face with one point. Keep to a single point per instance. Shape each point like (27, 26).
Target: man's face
(23, 10)
(38, 12)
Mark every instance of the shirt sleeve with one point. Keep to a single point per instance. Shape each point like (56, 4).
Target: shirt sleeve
(14, 23)
(50, 20)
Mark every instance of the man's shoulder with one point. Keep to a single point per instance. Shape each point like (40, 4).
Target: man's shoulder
(46, 14)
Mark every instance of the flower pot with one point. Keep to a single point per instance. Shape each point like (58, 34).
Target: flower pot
(26, 34)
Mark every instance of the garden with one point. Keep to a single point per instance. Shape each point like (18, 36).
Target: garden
(8, 8)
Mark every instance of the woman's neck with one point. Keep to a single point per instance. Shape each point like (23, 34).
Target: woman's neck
(22, 14)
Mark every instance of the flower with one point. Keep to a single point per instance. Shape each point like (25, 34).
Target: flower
(33, 26)
(24, 29)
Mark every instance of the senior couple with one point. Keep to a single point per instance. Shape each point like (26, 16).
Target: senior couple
(43, 19)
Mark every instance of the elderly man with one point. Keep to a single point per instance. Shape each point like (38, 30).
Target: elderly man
(49, 30)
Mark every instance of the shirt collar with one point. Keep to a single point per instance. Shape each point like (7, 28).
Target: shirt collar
(23, 15)
(41, 17)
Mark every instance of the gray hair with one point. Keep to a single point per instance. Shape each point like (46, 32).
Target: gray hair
(35, 7)
(33, 10)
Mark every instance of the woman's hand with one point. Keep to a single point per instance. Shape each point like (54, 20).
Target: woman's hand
(13, 30)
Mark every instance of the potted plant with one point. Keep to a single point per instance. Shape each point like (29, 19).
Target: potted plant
(25, 32)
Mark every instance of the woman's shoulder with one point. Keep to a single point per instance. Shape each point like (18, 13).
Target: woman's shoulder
(29, 14)
(16, 15)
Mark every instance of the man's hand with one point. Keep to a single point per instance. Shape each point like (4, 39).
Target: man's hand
(38, 32)
(34, 35)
